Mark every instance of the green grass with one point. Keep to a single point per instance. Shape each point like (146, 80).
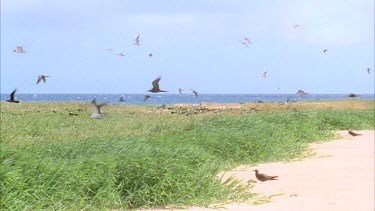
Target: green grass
(139, 159)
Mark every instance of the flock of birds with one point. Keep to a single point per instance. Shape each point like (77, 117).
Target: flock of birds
(95, 107)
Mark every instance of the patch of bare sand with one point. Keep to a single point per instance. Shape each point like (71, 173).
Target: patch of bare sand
(339, 177)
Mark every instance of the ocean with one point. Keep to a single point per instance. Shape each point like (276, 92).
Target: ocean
(158, 99)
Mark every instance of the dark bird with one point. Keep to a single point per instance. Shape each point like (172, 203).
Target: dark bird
(180, 91)
(195, 92)
(120, 54)
(150, 55)
(12, 97)
(146, 98)
(264, 75)
(264, 177)
(19, 49)
(121, 99)
(352, 95)
(41, 77)
(137, 40)
(369, 70)
(155, 86)
(247, 40)
(95, 107)
(301, 92)
(353, 133)
(325, 50)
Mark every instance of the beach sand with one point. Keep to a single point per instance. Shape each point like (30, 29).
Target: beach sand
(340, 176)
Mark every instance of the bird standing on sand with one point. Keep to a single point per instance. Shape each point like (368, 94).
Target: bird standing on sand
(155, 86)
(264, 177)
(146, 98)
(96, 109)
(137, 40)
(41, 77)
(19, 49)
(12, 97)
(264, 75)
(180, 91)
(195, 92)
(353, 133)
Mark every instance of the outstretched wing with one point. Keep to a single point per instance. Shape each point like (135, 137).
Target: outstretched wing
(12, 94)
(39, 79)
(155, 83)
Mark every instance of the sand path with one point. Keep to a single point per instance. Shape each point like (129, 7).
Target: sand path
(339, 177)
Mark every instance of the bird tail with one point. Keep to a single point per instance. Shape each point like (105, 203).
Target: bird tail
(274, 177)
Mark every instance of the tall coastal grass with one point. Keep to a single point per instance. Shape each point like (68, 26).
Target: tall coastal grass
(135, 158)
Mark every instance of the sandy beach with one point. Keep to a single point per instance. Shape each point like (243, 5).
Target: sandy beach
(340, 176)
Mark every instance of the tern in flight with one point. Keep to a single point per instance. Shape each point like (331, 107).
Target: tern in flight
(264, 75)
(180, 91)
(195, 92)
(155, 86)
(11, 100)
(95, 107)
(19, 49)
(41, 77)
(137, 40)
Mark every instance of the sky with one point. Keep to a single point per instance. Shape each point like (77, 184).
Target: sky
(195, 45)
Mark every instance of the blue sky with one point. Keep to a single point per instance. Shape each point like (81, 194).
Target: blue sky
(195, 44)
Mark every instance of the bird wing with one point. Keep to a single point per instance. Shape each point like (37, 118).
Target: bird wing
(95, 109)
(155, 83)
(12, 94)
(44, 78)
(39, 79)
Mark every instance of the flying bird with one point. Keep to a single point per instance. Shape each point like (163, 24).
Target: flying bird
(352, 95)
(264, 75)
(95, 107)
(247, 40)
(195, 92)
(296, 26)
(19, 49)
(245, 44)
(120, 54)
(146, 98)
(353, 133)
(368, 70)
(160, 109)
(110, 49)
(155, 86)
(137, 40)
(263, 177)
(41, 77)
(180, 91)
(301, 92)
(150, 55)
(12, 97)
(325, 50)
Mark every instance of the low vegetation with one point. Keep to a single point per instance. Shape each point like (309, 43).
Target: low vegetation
(53, 156)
